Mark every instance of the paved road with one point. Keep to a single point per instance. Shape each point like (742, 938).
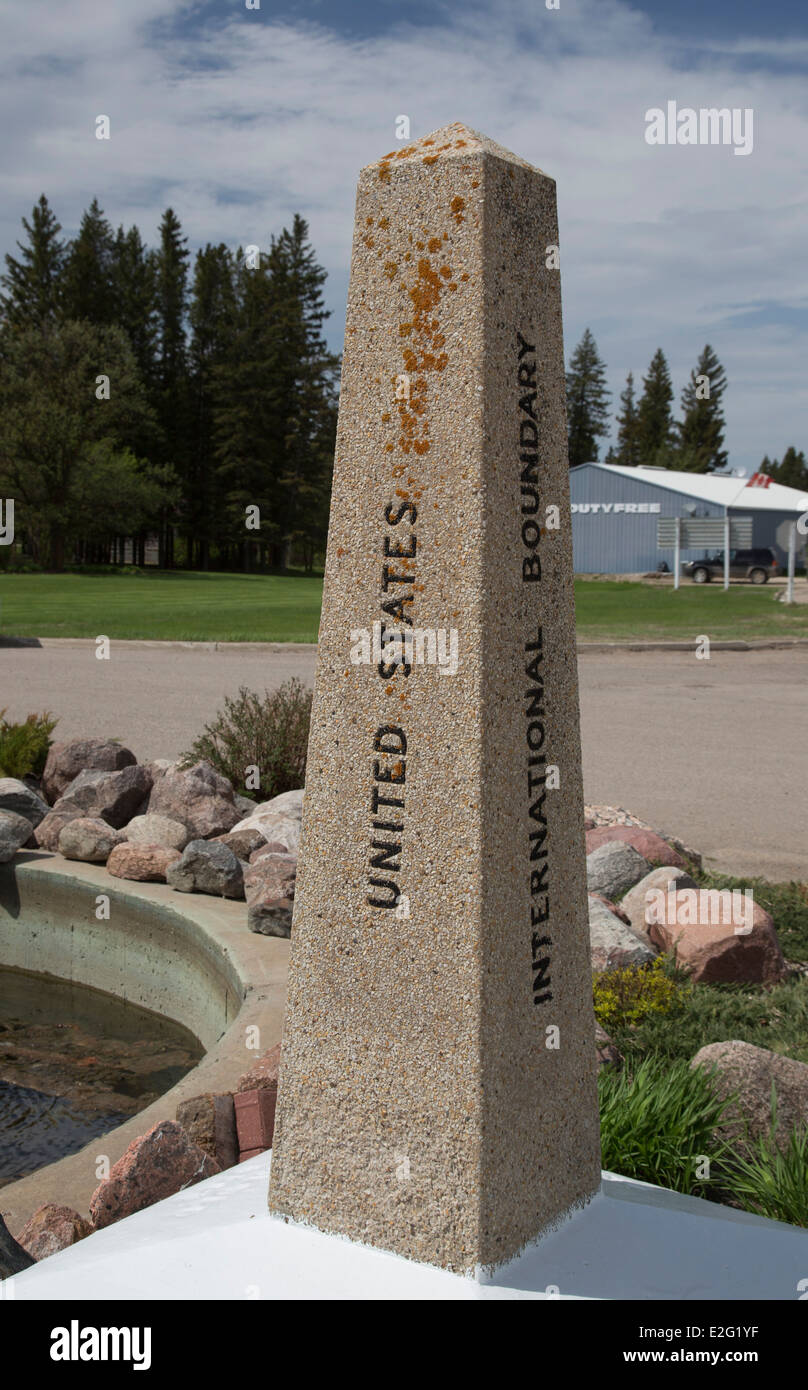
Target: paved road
(713, 751)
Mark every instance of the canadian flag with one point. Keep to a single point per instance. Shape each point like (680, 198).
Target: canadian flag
(759, 480)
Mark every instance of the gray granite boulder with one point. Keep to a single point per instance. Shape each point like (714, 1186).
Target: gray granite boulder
(207, 866)
(66, 760)
(748, 1073)
(15, 831)
(613, 945)
(16, 796)
(198, 797)
(111, 796)
(88, 839)
(50, 828)
(153, 829)
(613, 868)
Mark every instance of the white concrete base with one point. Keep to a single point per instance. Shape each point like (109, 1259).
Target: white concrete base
(218, 1241)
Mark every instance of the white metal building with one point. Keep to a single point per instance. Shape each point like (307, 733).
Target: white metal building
(615, 512)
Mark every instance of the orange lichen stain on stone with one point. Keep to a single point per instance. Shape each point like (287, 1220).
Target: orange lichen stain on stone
(384, 222)
(391, 269)
(446, 272)
(399, 471)
(384, 172)
(434, 245)
(400, 492)
(368, 221)
(408, 255)
(389, 690)
(340, 551)
(457, 205)
(460, 144)
(404, 330)
(386, 417)
(430, 159)
(441, 148)
(465, 275)
(369, 242)
(475, 183)
(420, 245)
(388, 448)
(453, 287)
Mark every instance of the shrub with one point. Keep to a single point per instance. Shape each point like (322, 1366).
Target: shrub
(624, 998)
(24, 747)
(270, 732)
(658, 1124)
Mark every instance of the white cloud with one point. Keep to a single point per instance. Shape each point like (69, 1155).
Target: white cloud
(658, 244)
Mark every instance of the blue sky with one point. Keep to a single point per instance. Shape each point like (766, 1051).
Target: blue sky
(240, 118)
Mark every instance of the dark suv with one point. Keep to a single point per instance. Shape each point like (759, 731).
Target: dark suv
(755, 565)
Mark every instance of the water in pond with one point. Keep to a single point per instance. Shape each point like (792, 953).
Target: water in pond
(75, 1062)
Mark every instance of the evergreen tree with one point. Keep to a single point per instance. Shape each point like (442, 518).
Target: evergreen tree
(33, 283)
(655, 428)
(700, 435)
(587, 401)
(212, 319)
(171, 392)
(88, 278)
(134, 299)
(628, 451)
(274, 415)
(791, 472)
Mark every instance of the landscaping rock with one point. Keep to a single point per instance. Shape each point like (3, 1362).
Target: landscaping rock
(15, 831)
(66, 760)
(242, 842)
(646, 842)
(612, 906)
(89, 840)
(244, 805)
(612, 944)
(52, 1228)
(13, 1258)
(263, 1073)
(22, 800)
(141, 863)
(199, 798)
(750, 1071)
(714, 953)
(158, 1164)
(289, 804)
(158, 830)
(605, 1049)
(635, 903)
(210, 1121)
(275, 828)
(207, 866)
(48, 831)
(111, 796)
(269, 887)
(613, 868)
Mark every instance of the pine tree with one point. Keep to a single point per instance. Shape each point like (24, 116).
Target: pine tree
(628, 451)
(134, 294)
(791, 472)
(212, 319)
(587, 401)
(700, 435)
(33, 283)
(655, 428)
(88, 291)
(171, 392)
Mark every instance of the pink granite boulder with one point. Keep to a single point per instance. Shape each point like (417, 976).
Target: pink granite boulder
(158, 1164)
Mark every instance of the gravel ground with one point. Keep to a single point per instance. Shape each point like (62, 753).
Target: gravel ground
(711, 751)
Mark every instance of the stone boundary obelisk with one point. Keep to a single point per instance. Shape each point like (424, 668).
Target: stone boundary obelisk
(437, 1091)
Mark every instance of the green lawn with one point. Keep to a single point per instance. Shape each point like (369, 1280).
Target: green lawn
(285, 608)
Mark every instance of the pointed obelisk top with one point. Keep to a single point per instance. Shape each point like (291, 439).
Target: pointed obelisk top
(449, 142)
